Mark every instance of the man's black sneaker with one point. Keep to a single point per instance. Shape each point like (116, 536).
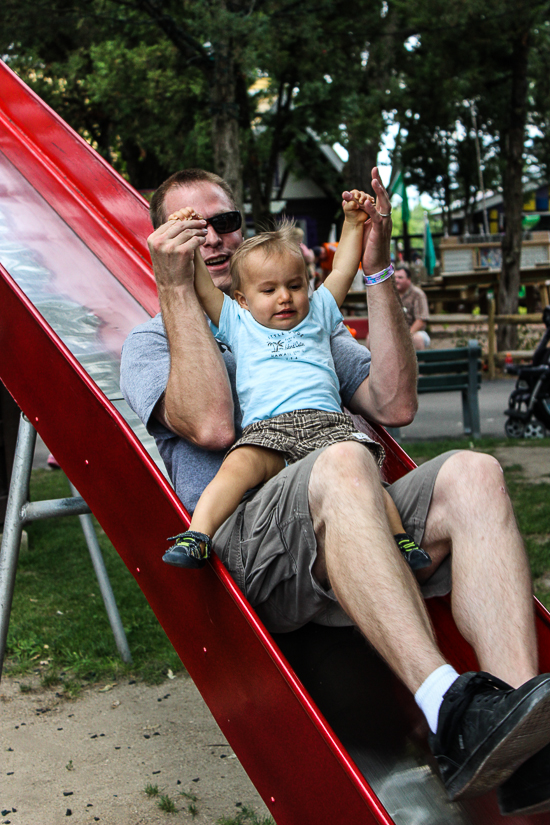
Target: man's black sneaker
(412, 553)
(187, 551)
(486, 729)
(527, 791)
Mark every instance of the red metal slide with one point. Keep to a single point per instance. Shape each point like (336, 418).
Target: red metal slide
(325, 732)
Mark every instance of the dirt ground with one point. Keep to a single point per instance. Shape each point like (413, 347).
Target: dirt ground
(91, 759)
(534, 461)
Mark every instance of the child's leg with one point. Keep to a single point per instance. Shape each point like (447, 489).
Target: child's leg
(243, 469)
(396, 525)
(414, 555)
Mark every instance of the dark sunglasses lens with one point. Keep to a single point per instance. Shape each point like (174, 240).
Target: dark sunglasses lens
(225, 223)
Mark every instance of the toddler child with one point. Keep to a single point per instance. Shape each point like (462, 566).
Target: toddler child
(286, 382)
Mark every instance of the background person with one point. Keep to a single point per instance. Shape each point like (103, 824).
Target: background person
(309, 257)
(415, 305)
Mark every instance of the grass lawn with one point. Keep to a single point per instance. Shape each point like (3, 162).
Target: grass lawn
(59, 630)
(531, 501)
(59, 626)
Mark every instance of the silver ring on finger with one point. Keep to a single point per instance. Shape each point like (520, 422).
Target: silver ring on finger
(385, 214)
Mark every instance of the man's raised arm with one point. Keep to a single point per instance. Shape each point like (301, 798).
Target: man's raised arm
(388, 395)
(197, 403)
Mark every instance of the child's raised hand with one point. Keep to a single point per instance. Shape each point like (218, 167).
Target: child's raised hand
(353, 205)
(185, 214)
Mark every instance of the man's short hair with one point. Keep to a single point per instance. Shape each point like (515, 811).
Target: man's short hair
(274, 242)
(405, 269)
(185, 177)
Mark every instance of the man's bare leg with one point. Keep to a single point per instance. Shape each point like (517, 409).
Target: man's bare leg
(358, 555)
(484, 728)
(492, 597)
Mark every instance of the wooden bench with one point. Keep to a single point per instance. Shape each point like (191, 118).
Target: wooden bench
(452, 370)
(443, 370)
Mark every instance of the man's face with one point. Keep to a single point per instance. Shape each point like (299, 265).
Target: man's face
(208, 200)
(402, 282)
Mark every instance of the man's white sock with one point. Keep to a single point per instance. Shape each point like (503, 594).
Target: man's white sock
(429, 695)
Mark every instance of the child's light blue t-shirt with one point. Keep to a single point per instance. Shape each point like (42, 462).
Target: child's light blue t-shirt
(280, 371)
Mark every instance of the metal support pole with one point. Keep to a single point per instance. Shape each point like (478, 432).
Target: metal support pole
(39, 510)
(13, 525)
(19, 511)
(491, 339)
(474, 355)
(104, 583)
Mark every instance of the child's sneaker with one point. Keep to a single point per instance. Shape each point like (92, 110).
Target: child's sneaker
(187, 551)
(413, 554)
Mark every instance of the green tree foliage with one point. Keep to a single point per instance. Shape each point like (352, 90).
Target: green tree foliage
(539, 99)
(249, 88)
(349, 97)
(117, 81)
(157, 85)
(473, 57)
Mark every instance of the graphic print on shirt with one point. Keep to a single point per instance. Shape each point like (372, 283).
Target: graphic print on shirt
(286, 345)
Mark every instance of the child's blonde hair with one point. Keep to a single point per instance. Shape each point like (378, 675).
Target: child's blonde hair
(273, 242)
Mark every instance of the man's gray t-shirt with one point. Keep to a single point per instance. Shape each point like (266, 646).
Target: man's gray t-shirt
(144, 370)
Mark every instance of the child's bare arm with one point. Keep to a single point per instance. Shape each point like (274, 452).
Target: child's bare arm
(350, 247)
(210, 297)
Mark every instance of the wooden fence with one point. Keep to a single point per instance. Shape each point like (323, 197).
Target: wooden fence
(491, 322)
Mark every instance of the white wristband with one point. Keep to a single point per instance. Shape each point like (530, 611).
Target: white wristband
(378, 277)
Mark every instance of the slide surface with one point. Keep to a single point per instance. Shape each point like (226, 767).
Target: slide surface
(325, 732)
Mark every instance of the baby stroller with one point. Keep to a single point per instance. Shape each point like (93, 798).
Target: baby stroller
(529, 404)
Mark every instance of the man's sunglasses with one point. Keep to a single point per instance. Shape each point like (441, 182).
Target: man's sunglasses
(225, 223)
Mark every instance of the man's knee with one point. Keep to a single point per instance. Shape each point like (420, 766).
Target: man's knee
(471, 472)
(340, 469)
(349, 461)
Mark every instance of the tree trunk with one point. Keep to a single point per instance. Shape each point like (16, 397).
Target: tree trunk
(225, 120)
(447, 220)
(467, 212)
(358, 169)
(251, 168)
(261, 213)
(143, 168)
(269, 169)
(512, 140)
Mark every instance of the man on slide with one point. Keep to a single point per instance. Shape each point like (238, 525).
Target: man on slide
(313, 544)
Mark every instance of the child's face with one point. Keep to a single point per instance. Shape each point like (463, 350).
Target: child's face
(274, 289)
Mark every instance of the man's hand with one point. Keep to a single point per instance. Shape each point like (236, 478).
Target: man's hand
(197, 409)
(210, 296)
(377, 232)
(388, 395)
(172, 247)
